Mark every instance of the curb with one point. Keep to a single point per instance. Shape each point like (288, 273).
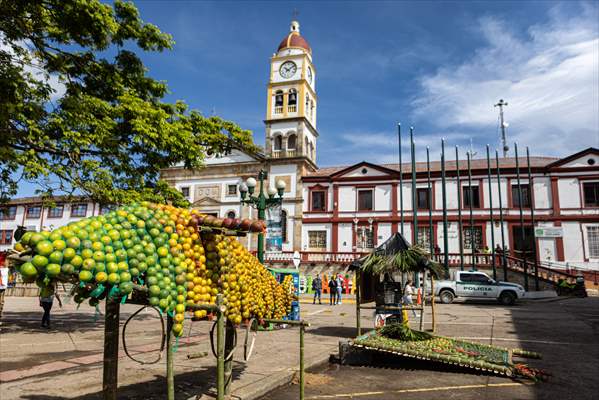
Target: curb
(259, 388)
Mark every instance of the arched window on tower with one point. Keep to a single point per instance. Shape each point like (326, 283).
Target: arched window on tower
(311, 108)
(284, 226)
(291, 142)
(278, 143)
(312, 150)
(279, 102)
(307, 108)
(292, 103)
(306, 147)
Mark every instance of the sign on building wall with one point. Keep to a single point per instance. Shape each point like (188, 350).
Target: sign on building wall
(274, 231)
(550, 232)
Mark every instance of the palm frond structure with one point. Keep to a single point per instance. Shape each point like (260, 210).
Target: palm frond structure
(396, 255)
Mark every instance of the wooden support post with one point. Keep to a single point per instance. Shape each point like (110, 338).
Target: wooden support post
(302, 329)
(220, 350)
(358, 283)
(170, 372)
(423, 301)
(229, 349)
(433, 301)
(111, 350)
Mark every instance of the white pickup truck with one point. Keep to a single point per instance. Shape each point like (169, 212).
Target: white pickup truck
(477, 285)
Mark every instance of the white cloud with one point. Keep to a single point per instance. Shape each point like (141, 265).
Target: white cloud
(550, 78)
(58, 88)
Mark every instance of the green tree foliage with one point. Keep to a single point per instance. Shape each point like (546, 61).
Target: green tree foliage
(78, 111)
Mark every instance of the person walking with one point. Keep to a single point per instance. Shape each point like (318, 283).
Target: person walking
(47, 296)
(317, 287)
(408, 292)
(339, 282)
(332, 290)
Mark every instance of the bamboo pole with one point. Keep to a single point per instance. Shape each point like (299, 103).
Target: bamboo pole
(471, 221)
(400, 181)
(460, 222)
(170, 372)
(444, 198)
(423, 299)
(522, 236)
(229, 348)
(220, 351)
(111, 350)
(532, 218)
(433, 301)
(358, 283)
(431, 238)
(503, 255)
(491, 214)
(414, 199)
(302, 381)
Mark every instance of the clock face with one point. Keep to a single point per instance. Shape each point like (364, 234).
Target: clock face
(288, 69)
(309, 74)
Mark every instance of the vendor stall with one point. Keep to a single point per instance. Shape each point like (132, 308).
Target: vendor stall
(379, 276)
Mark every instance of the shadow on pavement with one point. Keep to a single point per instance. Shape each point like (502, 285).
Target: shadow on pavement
(335, 331)
(188, 384)
(23, 323)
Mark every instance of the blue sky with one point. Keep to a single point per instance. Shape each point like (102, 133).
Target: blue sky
(439, 66)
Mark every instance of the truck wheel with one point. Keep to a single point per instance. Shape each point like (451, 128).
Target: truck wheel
(507, 298)
(446, 297)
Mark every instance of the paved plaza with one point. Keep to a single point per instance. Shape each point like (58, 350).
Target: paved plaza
(66, 361)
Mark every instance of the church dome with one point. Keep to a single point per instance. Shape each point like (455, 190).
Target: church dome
(294, 40)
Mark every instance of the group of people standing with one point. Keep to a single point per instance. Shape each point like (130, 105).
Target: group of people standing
(335, 289)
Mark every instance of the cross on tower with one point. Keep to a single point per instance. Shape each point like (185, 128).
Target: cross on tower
(294, 14)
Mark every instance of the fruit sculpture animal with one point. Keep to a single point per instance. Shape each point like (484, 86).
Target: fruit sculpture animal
(166, 249)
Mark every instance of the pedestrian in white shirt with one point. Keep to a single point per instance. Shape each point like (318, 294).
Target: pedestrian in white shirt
(408, 292)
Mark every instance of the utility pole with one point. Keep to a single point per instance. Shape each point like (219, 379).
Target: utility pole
(503, 125)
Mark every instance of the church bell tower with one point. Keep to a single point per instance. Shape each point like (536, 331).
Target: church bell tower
(291, 101)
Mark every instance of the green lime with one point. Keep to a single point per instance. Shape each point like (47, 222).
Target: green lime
(74, 242)
(28, 270)
(67, 269)
(39, 262)
(55, 257)
(68, 254)
(77, 261)
(85, 276)
(26, 238)
(113, 278)
(88, 264)
(52, 270)
(125, 276)
(112, 267)
(44, 248)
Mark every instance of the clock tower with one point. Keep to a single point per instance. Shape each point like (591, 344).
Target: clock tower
(291, 101)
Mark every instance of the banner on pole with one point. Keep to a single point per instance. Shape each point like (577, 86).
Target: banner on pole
(274, 232)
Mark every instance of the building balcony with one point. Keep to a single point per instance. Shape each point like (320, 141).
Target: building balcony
(278, 109)
(292, 108)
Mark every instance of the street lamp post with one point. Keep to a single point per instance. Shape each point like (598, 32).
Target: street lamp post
(261, 202)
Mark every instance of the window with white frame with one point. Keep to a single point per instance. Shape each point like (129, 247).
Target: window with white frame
(317, 239)
(473, 235)
(365, 239)
(231, 190)
(593, 240)
(424, 237)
